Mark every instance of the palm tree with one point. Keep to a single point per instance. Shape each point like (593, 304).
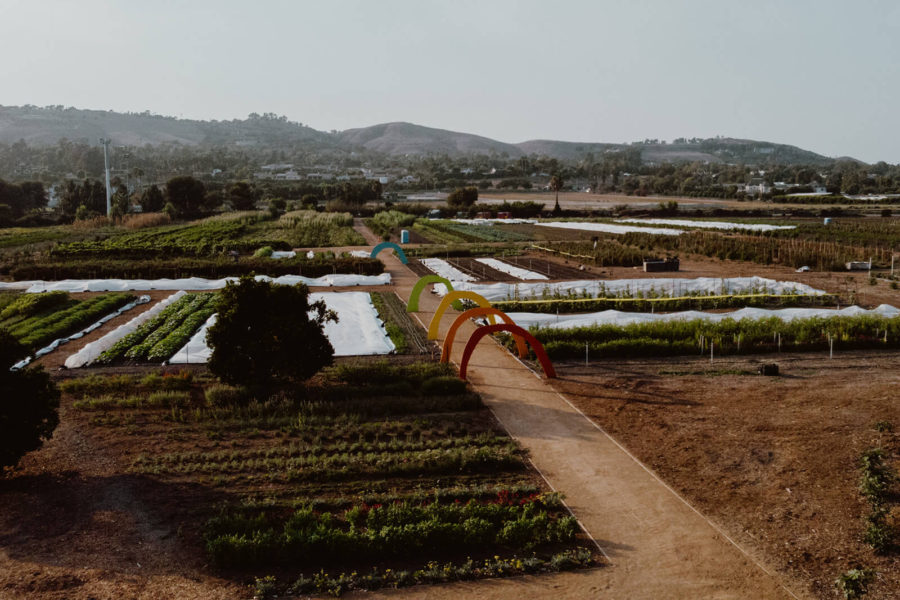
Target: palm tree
(556, 184)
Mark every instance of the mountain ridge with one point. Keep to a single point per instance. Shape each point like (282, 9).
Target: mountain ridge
(48, 125)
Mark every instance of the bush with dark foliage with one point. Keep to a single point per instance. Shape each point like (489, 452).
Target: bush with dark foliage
(29, 405)
(267, 333)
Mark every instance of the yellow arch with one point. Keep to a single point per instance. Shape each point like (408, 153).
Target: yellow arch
(445, 304)
(479, 312)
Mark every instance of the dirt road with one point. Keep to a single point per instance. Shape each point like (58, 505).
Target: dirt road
(658, 545)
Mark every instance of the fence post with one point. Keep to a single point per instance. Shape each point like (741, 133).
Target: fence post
(585, 354)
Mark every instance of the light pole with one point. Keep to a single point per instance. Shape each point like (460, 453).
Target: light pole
(105, 142)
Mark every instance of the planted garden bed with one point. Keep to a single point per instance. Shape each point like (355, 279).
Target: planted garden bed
(162, 336)
(375, 472)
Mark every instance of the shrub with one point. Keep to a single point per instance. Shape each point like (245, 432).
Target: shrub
(29, 405)
(261, 331)
(226, 395)
(263, 252)
(855, 582)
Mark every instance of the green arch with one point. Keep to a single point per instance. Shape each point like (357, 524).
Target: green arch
(396, 248)
(413, 304)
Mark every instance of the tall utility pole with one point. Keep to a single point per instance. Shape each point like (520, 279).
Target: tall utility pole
(105, 142)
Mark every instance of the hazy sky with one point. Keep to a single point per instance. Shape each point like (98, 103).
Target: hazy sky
(822, 75)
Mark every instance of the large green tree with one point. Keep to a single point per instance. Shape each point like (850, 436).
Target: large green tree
(29, 404)
(267, 333)
(463, 197)
(242, 196)
(152, 200)
(186, 194)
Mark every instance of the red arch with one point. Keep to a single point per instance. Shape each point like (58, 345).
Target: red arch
(549, 371)
(471, 314)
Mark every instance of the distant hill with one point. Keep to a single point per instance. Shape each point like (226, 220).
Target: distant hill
(407, 138)
(46, 126)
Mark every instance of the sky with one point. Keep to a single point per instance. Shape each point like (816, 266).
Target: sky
(822, 75)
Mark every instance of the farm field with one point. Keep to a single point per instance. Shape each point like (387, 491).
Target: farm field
(773, 460)
(396, 464)
(388, 472)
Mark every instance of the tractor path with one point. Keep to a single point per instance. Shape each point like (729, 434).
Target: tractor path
(658, 545)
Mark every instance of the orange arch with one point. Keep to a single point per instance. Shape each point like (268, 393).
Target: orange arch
(479, 312)
(549, 371)
(445, 304)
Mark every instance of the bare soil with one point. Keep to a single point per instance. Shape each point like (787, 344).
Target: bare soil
(774, 461)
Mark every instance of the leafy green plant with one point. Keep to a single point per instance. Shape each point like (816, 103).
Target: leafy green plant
(855, 582)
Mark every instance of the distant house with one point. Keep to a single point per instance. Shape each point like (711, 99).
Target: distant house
(757, 185)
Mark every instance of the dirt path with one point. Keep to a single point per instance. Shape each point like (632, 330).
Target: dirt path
(659, 546)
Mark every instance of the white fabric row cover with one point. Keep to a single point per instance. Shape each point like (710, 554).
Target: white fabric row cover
(59, 342)
(358, 331)
(283, 254)
(708, 224)
(664, 286)
(361, 253)
(513, 270)
(609, 228)
(444, 269)
(195, 351)
(619, 318)
(91, 351)
(187, 284)
(490, 222)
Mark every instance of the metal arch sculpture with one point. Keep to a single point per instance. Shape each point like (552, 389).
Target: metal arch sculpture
(549, 371)
(384, 245)
(445, 304)
(413, 304)
(479, 312)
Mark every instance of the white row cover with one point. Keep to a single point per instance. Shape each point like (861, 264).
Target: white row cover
(621, 319)
(358, 331)
(663, 286)
(708, 224)
(609, 228)
(195, 351)
(187, 284)
(513, 270)
(283, 254)
(91, 351)
(60, 341)
(446, 270)
(361, 253)
(490, 222)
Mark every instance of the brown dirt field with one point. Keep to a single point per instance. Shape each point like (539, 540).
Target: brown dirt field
(772, 460)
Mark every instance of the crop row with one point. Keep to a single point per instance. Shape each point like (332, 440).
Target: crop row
(345, 466)
(43, 328)
(375, 533)
(138, 344)
(386, 222)
(22, 306)
(663, 304)
(312, 451)
(760, 249)
(214, 267)
(308, 229)
(451, 231)
(431, 572)
(728, 336)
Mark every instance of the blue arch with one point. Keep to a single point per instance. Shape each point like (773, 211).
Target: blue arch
(384, 245)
